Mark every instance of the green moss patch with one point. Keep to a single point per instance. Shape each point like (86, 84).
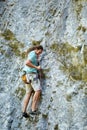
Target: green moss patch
(85, 91)
(84, 74)
(64, 48)
(72, 61)
(8, 35)
(85, 54)
(79, 9)
(15, 45)
(2, 51)
(68, 98)
(20, 92)
(34, 42)
(56, 127)
(82, 28)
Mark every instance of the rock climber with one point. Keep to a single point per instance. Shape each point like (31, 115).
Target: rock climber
(33, 86)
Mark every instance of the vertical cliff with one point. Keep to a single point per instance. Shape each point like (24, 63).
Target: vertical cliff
(60, 27)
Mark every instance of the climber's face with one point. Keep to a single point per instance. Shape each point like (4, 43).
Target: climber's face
(39, 51)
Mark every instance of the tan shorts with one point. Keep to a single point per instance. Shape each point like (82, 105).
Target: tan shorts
(34, 83)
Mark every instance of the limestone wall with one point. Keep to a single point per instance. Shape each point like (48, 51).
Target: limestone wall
(60, 26)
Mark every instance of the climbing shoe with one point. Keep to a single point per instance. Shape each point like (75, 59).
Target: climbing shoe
(24, 114)
(33, 112)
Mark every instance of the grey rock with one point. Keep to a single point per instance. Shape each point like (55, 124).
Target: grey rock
(60, 26)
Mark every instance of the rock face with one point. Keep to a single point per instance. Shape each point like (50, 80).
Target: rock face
(60, 26)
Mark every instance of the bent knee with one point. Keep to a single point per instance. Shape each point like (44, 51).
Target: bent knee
(38, 91)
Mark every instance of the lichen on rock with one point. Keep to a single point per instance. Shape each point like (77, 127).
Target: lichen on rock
(60, 26)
